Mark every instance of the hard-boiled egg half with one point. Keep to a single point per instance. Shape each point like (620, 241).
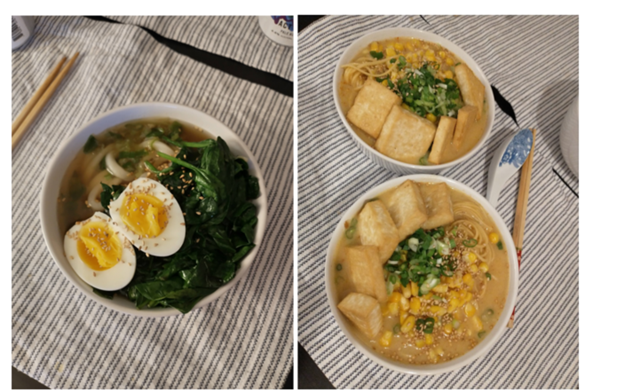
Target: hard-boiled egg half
(150, 217)
(99, 254)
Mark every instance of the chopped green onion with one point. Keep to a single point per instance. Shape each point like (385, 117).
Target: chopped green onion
(429, 284)
(339, 267)
(481, 334)
(436, 297)
(413, 244)
(396, 329)
(393, 279)
(354, 222)
(470, 242)
(376, 55)
(452, 243)
(454, 231)
(350, 233)
(455, 324)
(488, 275)
(499, 245)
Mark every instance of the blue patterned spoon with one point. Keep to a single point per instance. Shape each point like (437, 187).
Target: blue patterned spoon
(507, 159)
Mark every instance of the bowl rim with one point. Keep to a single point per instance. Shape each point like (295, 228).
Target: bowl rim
(431, 37)
(89, 128)
(501, 325)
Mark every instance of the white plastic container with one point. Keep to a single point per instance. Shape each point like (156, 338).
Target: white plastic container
(22, 29)
(279, 28)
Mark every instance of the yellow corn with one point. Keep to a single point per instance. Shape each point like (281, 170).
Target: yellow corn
(442, 54)
(386, 338)
(483, 267)
(374, 47)
(402, 315)
(430, 55)
(385, 82)
(456, 254)
(390, 52)
(442, 288)
(478, 323)
(453, 304)
(398, 46)
(473, 268)
(467, 278)
(468, 297)
(393, 308)
(404, 303)
(448, 74)
(414, 287)
(416, 43)
(435, 309)
(439, 351)
(420, 343)
(395, 297)
(470, 310)
(408, 325)
(448, 328)
(431, 117)
(455, 282)
(409, 46)
(414, 305)
(394, 76)
(494, 238)
(433, 356)
(385, 311)
(429, 339)
(428, 296)
(449, 61)
(407, 291)
(472, 257)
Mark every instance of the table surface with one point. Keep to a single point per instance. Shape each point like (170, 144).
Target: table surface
(227, 65)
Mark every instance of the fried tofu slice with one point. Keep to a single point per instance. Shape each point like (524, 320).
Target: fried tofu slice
(405, 136)
(442, 139)
(364, 312)
(472, 90)
(377, 228)
(407, 208)
(437, 198)
(365, 271)
(372, 106)
(466, 117)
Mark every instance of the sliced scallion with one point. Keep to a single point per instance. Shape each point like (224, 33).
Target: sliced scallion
(470, 242)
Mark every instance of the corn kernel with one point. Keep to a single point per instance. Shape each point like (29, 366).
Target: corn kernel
(430, 55)
(429, 339)
(402, 315)
(435, 309)
(449, 61)
(473, 268)
(414, 305)
(385, 82)
(483, 267)
(448, 328)
(448, 74)
(407, 291)
(395, 297)
(433, 356)
(414, 287)
(404, 303)
(442, 54)
(439, 351)
(409, 46)
(453, 305)
(386, 338)
(470, 310)
(398, 46)
(385, 311)
(472, 257)
(428, 296)
(442, 288)
(478, 323)
(416, 43)
(494, 238)
(431, 117)
(408, 325)
(393, 308)
(467, 278)
(374, 47)
(394, 76)
(390, 52)
(468, 297)
(420, 343)
(456, 254)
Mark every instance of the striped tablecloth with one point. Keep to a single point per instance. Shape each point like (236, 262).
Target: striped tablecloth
(237, 37)
(63, 339)
(533, 61)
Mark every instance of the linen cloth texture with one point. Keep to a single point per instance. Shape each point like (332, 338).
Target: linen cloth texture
(533, 61)
(237, 37)
(63, 339)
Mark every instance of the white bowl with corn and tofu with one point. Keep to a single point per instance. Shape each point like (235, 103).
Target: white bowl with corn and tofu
(421, 274)
(412, 101)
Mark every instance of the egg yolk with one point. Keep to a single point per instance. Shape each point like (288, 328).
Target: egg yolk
(144, 214)
(99, 247)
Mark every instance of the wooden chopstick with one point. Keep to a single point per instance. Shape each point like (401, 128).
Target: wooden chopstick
(521, 209)
(42, 88)
(21, 130)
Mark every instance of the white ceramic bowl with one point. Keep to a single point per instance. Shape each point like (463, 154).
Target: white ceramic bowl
(379, 158)
(491, 338)
(67, 152)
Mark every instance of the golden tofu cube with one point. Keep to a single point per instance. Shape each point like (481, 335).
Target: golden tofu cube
(407, 208)
(437, 197)
(364, 312)
(366, 272)
(472, 90)
(442, 139)
(376, 228)
(372, 106)
(405, 136)
(466, 117)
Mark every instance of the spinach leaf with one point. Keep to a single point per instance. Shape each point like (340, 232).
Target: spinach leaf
(110, 194)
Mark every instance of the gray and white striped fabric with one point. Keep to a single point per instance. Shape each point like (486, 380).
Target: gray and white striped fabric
(63, 339)
(533, 61)
(237, 37)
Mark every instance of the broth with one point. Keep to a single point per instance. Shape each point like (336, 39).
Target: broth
(456, 330)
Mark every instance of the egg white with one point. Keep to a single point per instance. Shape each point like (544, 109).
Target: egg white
(171, 238)
(111, 279)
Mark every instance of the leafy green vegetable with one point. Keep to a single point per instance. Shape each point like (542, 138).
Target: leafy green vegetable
(499, 245)
(104, 294)
(90, 145)
(376, 55)
(109, 194)
(214, 190)
(132, 154)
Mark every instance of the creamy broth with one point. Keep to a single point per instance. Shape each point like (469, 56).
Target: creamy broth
(417, 52)
(82, 176)
(456, 329)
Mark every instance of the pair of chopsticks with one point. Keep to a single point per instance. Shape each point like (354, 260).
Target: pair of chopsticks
(39, 99)
(521, 209)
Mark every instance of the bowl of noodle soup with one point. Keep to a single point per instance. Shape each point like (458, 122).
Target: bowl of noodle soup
(474, 288)
(357, 66)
